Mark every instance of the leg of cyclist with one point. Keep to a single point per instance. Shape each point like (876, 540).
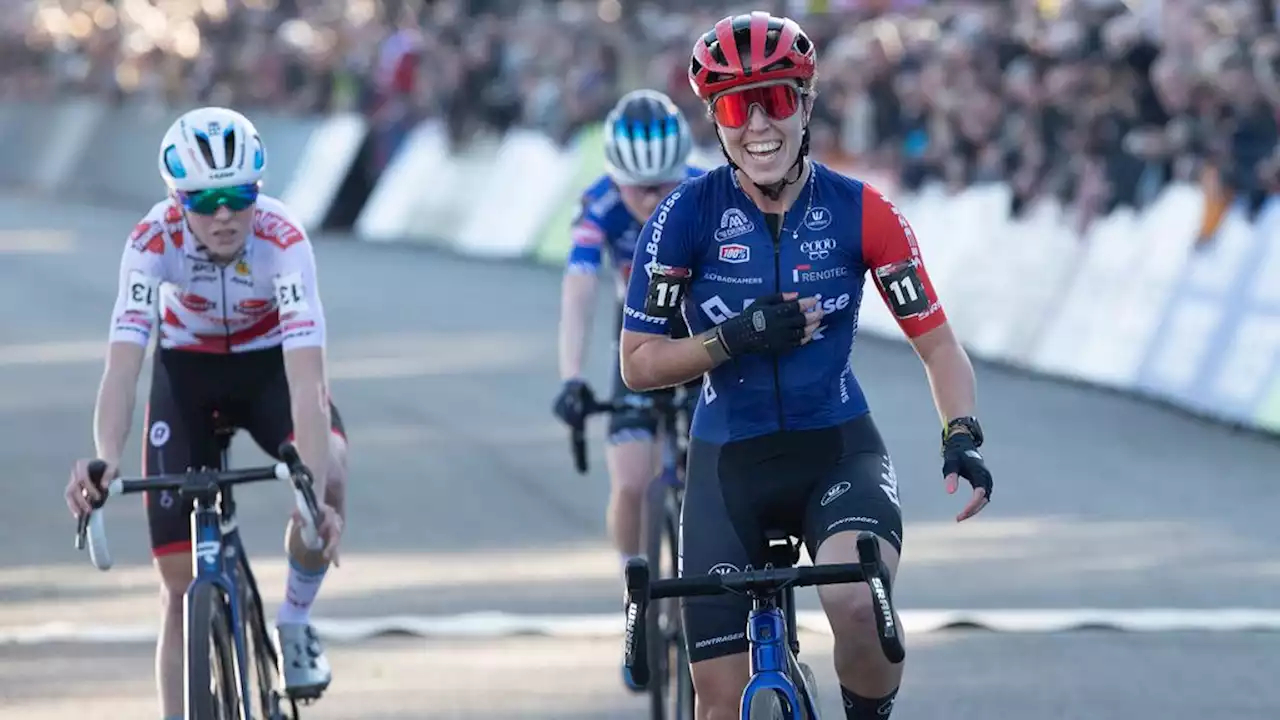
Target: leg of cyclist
(270, 422)
(633, 457)
(731, 491)
(178, 436)
(861, 493)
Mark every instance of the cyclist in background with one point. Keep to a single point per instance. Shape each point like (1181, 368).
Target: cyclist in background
(646, 147)
(242, 335)
(766, 259)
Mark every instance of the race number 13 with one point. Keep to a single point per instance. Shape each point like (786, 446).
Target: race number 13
(290, 295)
(142, 293)
(903, 288)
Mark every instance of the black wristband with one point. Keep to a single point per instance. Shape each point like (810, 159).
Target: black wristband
(969, 423)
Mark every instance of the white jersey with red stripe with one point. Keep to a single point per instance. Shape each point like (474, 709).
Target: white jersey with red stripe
(266, 297)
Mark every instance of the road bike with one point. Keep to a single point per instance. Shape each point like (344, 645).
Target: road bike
(781, 687)
(228, 646)
(672, 697)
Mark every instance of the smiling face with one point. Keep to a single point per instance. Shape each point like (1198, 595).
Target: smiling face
(762, 126)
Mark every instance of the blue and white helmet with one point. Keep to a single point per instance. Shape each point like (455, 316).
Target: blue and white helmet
(211, 147)
(646, 140)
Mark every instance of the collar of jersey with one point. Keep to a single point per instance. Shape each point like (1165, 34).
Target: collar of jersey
(202, 254)
(810, 187)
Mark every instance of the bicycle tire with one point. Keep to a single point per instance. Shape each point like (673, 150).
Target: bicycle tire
(807, 687)
(766, 705)
(655, 536)
(258, 645)
(210, 657)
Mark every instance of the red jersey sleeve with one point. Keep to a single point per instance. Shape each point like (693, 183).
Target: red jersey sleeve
(890, 251)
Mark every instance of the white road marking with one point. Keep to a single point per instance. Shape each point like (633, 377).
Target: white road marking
(501, 624)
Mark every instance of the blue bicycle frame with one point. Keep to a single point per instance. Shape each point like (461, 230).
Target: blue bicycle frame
(772, 662)
(215, 555)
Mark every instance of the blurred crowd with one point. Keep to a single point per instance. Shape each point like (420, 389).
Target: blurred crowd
(1095, 103)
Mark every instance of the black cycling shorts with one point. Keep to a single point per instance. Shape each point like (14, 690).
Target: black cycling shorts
(246, 390)
(809, 483)
(640, 425)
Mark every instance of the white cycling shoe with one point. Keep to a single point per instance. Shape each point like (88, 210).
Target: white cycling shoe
(302, 662)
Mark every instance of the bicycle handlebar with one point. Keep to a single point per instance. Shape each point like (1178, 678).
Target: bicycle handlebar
(592, 406)
(196, 482)
(767, 582)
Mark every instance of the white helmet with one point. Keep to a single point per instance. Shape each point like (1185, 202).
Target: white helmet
(211, 147)
(646, 140)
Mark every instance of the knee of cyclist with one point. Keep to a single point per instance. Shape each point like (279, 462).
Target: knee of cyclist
(630, 484)
(719, 694)
(851, 612)
(175, 576)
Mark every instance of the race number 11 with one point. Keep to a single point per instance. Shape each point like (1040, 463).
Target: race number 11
(903, 289)
(668, 294)
(666, 285)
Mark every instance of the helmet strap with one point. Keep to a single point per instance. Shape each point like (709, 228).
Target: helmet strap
(773, 191)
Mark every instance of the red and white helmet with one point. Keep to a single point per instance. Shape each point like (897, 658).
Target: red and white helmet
(746, 49)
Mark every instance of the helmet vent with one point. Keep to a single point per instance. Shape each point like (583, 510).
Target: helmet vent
(229, 145)
(206, 151)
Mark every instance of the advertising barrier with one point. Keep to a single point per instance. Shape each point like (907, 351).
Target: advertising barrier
(1135, 305)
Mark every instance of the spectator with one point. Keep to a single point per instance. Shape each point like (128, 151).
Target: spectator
(1079, 101)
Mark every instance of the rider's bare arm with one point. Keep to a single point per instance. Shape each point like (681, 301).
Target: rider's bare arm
(309, 405)
(142, 270)
(577, 303)
(302, 328)
(894, 257)
(656, 361)
(578, 296)
(950, 373)
(117, 394)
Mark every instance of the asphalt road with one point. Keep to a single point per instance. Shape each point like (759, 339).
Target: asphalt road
(463, 498)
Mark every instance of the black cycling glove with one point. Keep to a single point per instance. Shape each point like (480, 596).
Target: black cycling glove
(768, 326)
(960, 456)
(571, 404)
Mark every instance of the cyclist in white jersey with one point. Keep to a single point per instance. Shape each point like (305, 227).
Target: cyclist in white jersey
(231, 277)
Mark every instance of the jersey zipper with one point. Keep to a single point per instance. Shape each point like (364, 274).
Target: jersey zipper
(226, 321)
(777, 284)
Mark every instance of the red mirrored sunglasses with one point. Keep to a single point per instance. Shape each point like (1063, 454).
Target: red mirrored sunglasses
(779, 102)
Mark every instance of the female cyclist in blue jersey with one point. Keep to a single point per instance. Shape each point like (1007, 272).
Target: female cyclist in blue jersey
(765, 260)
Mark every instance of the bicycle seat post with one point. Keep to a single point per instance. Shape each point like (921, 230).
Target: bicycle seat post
(784, 552)
(223, 431)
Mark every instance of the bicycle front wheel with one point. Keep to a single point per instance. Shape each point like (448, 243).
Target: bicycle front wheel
(213, 692)
(260, 654)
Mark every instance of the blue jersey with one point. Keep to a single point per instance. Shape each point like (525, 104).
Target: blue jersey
(709, 253)
(604, 225)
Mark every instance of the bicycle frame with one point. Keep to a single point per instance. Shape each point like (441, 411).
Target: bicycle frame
(213, 554)
(773, 660)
